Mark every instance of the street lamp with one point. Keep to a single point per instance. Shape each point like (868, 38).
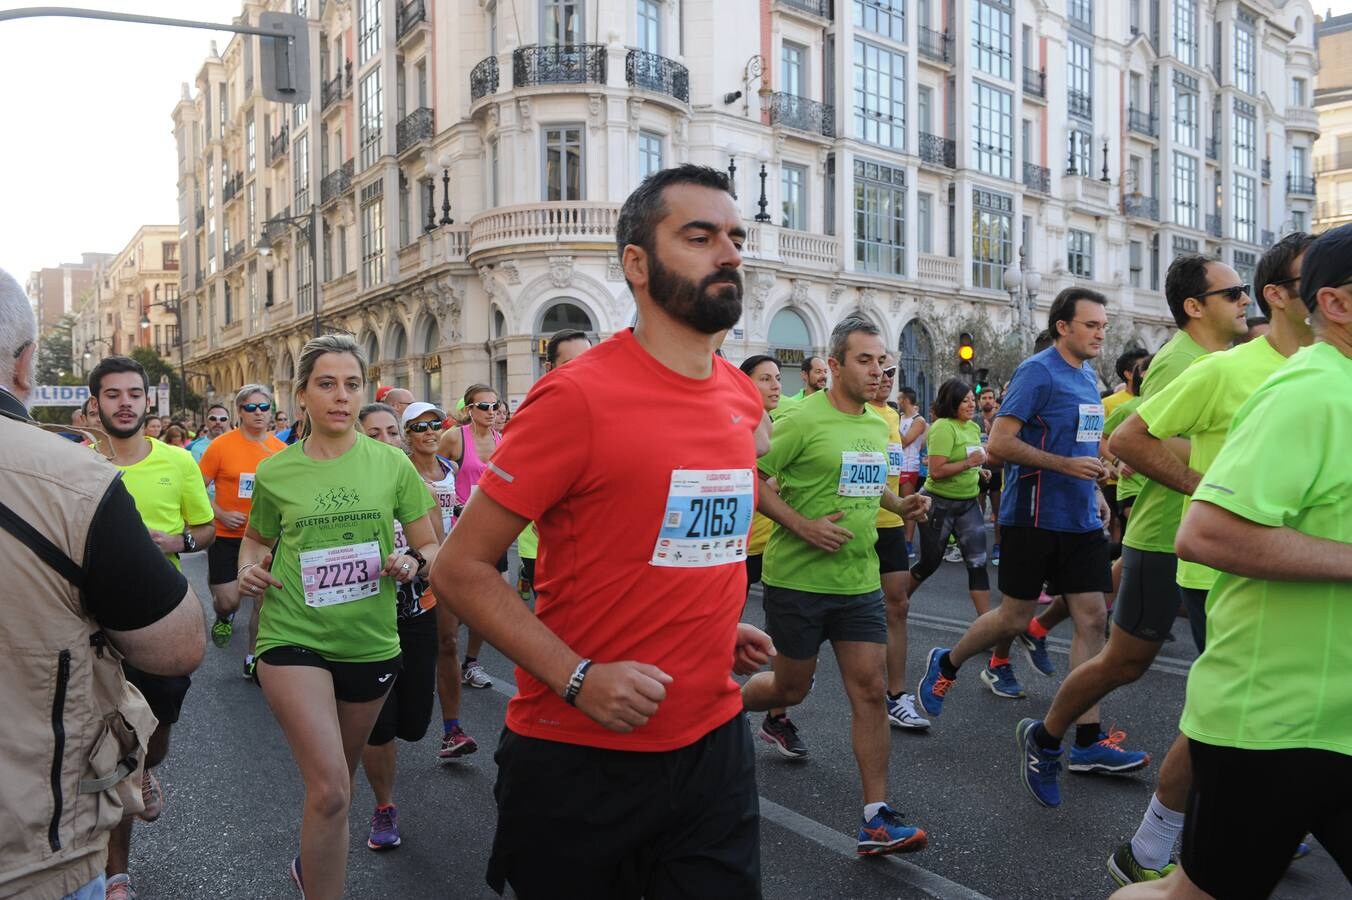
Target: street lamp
(1023, 287)
(176, 308)
(310, 223)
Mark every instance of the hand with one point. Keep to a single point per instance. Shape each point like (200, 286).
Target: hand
(232, 520)
(1086, 467)
(754, 649)
(401, 567)
(168, 543)
(916, 507)
(984, 474)
(1103, 509)
(825, 534)
(975, 457)
(1124, 470)
(255, 579)
(622, 696)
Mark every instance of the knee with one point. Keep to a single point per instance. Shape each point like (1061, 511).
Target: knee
(448, 645)
(1092, 622)
(866, 690)
(794, 693)
(329, 796)
(898, 605)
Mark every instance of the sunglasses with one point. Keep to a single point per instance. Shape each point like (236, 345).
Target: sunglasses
(420, 427)
(890, 371)
(1232, 293)
(256, 407)
(218, 418)
(484, 405)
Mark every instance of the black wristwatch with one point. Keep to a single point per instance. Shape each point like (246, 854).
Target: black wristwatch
(189, 545)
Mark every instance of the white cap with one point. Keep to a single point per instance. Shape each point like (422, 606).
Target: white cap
(417, 409)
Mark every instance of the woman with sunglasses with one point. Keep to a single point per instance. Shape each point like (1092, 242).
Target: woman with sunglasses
(471, 446)
(229, 465)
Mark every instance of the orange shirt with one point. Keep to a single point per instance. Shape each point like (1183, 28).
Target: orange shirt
(231, 461)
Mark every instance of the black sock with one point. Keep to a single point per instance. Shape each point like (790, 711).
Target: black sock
(468, 660)
(894, 697)
(1087, 735)
(1043, 738)
(946, 667)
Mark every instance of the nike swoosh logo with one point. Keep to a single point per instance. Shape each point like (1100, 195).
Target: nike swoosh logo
(736, 419)
(386, 677)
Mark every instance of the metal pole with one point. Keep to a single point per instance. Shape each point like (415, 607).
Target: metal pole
(33, 12)
(313, 229)
(182, 363)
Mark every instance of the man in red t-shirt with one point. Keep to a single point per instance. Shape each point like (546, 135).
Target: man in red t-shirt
(644, 517)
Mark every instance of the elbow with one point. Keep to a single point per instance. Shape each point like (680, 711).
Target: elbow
(1192, 543)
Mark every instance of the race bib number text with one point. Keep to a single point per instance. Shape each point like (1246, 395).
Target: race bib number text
(246, 485)
(1091, 423)
(895, 453)
(707, 518)
(862, 474)
(340, 574)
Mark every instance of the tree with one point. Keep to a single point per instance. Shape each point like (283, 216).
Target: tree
(996, 344)
(1122, 335)
(157, 367)
(54, 353)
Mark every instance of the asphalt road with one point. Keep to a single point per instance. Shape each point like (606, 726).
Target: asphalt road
(233, 796)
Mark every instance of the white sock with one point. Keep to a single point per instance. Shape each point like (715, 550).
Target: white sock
(118, 879)
(872, 809)
(248, 658)
(1154, 840)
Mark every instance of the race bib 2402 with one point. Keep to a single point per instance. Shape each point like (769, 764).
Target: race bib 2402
(862, 473)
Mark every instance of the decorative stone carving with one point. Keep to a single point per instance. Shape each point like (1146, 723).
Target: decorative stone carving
(799, 292)
(760, 289)
(833, 299)
(444, 304)
(561, 271)
(635, 112)
(511, 272)
(614, 271)
(596, 111)
(896, 304)
(523, 111)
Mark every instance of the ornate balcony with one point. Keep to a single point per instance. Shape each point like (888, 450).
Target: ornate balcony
(409, 14)
(1213, 225)
(336, 183)
(200, 217)
(234, 255)
(939, 150)
(337, 87)
(820, 8)
(657, 73)
(942, 270)
(1138, 206)
(275, 229)
(1037, 178)
(935, 45)
(231, 187)
(802, 114)
(1300, 184)
(1080, 104)
(1213, 148)
(549, 224)
(1142, 122)
(483, 79)
(277, 146)
(1035, 82)
(1267, 170)
(414, 128)
(1301, 118)
(559, 64)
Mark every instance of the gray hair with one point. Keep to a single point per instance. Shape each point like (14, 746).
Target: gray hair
(18, 324)
(840, 335)
(326, 343)
(249, 389)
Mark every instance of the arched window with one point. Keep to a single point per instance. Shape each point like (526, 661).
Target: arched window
(790, 343)
(915, 363)
(562, 315)
(396, 350)
(372, 351)
(432, 364)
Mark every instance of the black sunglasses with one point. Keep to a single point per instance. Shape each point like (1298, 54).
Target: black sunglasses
(1232, 293)
(484, 405)
(256, 407)
(420, 427)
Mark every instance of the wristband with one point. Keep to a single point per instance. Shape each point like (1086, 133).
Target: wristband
(575, 682)
(242, 568)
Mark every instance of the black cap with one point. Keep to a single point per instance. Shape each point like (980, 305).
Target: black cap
(1327, 262)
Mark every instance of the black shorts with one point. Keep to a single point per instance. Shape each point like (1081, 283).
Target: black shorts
(164, 693)
(891, 547)
(1295, 791)
(1147, 597)
(502, 563)
(993, 484)
(621, 825)
(528, 569)
(408, 706)
(754, 565)
(1110, 495)
(352, 682)
(1066, 562)
(799, 621)
(223, 560)
(1194, 601)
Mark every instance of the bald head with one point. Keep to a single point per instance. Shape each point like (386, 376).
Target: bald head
(399, 399)
(18, 338)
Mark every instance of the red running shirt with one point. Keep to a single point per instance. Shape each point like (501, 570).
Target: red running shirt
(590, 457)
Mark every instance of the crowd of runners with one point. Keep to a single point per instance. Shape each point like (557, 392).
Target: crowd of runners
(355, 541)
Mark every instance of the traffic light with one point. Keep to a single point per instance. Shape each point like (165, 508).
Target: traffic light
(982, 380)
(966, 351)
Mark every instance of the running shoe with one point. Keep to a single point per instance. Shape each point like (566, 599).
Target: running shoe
(294, 871)
(1302, 850)
(1038, 768)
(456, 744)
(953, 553)
(473, 675)
(1044, 599)
(1107, 756)
(221, 630)
(1036, 651)
(901, 713)
(384, 828)
(251, 669)
(152, 797)
(119, 888)
(1002, 682)
(933, 686)
(887, 833)
(1124, 868)
(995, 555)
(784, 735)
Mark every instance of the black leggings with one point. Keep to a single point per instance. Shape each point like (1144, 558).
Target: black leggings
(961, 517)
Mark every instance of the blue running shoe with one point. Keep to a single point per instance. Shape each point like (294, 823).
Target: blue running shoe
(1002, 682)
(887, 833)
(933, 686)
(995, 555)
(294, 871)
(1038, 768)
(1302, 851)
(1036, 651)
(1107, 756)
(384, 828)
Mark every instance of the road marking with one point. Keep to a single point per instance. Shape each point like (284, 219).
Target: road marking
(930, 883)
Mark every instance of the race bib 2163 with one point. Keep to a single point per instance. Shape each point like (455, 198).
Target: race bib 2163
(706, 519)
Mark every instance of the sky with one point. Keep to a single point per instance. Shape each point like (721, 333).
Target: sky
(87, 144)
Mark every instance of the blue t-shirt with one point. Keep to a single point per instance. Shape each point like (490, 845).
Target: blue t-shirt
(1062, 413)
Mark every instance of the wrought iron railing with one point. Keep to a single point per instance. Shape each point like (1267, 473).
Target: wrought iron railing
(201, 217)
(657, 73)
(1213, 148)
(1267, 170)
(231, 186)
(1080, 104)
(335, 88)
(1213, 225)
(336, 183)
(559, 64)
(274, 228)
(277, 146)
(1035, 82)
(409, 14)
(1299, 184)
(1142, 122)
(1037, 178)
(935, 45)
(802, 114)
(414, 128)
(816, 7)
(1141, 207)
(939, 150)
(234, 255)
(483, 79)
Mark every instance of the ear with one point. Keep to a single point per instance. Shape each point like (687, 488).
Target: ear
(1194, 308)
(1274, 297)
(635, 264)
(1334, 306)
(22, 378)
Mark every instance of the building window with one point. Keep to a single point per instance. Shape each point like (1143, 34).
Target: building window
(494, 176)
(1299, 95)
(1135, 262)
(1299, 165)
(993, 134)
(793, 197)
(368, 30)
(1185, 31)
(1246, 264)
(372, 243)
(884, 17)
(1081, 14)
(211, 186)
(372, 116)
(1187, 105)
(1297, 220)
(1079, 70)
(993, 38)
(879, 218)
(1245, 203)
(793, 64)
(228, 304)
(563, 179)
(992, 238)
(300, 172)
(1244, 48)
(405, 210)
(924, 223)
(1080, 253)
(649, 26)
(649, 153)
(1185, 189)
(1246, 135)
(169, 253)
(561, 22)
(250, 144)
(879, 95)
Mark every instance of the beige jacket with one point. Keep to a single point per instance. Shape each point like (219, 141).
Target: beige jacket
(74, 732)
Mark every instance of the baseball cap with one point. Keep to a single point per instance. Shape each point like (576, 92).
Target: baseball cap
(417, 409)
(382, 391)
(1327, 262)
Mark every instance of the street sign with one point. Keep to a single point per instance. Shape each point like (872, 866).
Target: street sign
(58, 395)
(162, 399)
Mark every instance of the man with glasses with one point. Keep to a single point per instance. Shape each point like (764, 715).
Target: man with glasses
(218, 423)
(1208, 302)
(398, 400)
(1052, 515)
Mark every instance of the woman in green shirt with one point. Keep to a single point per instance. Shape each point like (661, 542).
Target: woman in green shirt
(328, 643)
